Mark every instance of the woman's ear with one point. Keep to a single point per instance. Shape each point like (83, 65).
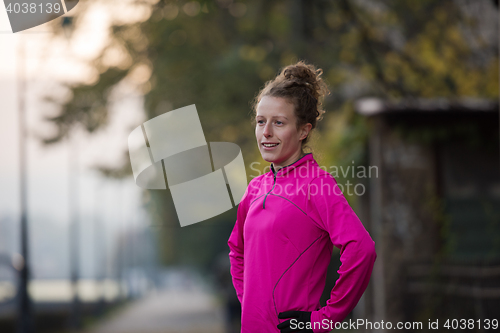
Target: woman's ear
(304, 132)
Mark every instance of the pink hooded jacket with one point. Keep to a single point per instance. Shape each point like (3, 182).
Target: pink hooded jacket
(287, 224)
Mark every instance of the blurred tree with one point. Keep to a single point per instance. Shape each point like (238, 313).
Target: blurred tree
(217, 54)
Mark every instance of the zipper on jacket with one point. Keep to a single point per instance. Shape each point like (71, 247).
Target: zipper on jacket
(274, 183)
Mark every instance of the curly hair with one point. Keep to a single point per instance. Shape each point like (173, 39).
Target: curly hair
(301, 85)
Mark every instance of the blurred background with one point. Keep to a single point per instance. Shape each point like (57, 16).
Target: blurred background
(414, 102)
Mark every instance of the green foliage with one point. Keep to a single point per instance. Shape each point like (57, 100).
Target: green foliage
(88, 105)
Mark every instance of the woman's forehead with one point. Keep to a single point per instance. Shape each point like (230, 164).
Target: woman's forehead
(275, 107)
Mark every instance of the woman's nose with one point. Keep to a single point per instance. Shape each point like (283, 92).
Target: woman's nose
(268, 130)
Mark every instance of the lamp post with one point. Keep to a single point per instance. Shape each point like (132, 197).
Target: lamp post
(74, 228)
(100, 249)
(25, 318)
(74, 232)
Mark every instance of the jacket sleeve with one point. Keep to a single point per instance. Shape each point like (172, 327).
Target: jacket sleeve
(357, 249)
(235, 244)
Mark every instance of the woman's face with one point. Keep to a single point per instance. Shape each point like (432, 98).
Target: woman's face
(276, 131)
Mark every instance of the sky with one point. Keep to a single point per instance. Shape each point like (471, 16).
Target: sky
(49, 62)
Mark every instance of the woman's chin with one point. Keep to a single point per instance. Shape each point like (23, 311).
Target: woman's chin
(267, 159)
(268, 156)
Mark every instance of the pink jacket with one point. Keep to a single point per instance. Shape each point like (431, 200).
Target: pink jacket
(287, 224)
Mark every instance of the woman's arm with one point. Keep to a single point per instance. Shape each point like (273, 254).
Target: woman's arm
(357, 249)
(235, 243)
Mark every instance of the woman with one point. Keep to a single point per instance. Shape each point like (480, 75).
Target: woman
(290, 218)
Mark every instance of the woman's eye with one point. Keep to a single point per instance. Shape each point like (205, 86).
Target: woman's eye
(279, 122)
(260, 121)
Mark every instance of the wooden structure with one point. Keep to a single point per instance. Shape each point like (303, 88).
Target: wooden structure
(433, 210)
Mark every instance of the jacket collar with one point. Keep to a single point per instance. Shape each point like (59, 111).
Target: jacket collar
(287, 168)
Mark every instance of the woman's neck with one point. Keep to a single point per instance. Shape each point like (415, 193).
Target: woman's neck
(277, 167)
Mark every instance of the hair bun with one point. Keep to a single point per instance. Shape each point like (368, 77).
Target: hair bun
(300, 72)
(304, 75)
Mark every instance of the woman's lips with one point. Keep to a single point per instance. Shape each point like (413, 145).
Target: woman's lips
(276, 144)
